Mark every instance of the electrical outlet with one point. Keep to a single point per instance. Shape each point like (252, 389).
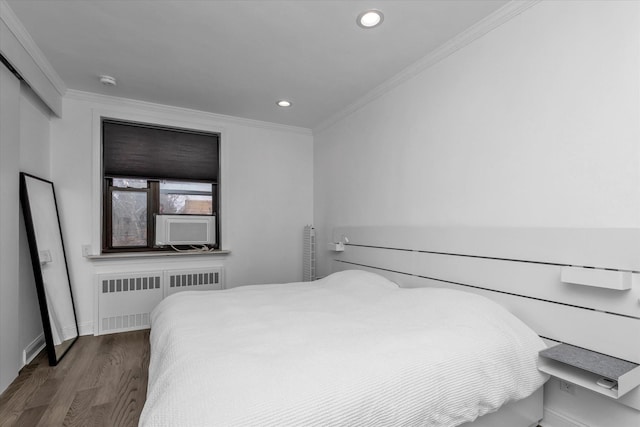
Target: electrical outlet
(567, 387)
(86, 250)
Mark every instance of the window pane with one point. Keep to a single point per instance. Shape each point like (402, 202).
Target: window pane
(129, 183)
(180, 204)
(181, 187)
(187, 198)
(129, 218)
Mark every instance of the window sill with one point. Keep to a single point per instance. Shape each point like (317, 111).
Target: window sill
(134, 255)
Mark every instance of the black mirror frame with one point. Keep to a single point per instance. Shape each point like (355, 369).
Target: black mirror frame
(37, 270)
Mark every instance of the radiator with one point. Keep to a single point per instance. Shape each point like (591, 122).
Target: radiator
(125, 300)
(309, 255)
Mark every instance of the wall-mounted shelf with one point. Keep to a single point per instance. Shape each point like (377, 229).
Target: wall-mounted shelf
(598, 277)
(588, 369)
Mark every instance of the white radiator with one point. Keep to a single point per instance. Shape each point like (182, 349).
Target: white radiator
(125, 300)
(309, 255)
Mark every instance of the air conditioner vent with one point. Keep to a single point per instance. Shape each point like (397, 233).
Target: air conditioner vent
(185, 229)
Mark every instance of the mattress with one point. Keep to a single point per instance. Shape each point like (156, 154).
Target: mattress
(350, 349)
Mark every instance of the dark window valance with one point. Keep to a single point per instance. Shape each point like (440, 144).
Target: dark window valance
(144, 151)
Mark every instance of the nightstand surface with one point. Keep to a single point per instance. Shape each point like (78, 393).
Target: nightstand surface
(597, 363)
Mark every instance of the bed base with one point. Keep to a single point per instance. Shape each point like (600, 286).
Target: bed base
(523, 413)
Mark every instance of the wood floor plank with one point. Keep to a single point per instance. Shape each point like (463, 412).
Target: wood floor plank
(71, 369)
(104, 373)
(25, 375)
(79, 413)
(31, 416)
(9, 419)
(45, 393)
(125, 410)
(14, 400)
(98, 416)
(102, 381)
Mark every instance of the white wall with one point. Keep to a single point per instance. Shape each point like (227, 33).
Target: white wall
(534, 124)
(34, 159)
(267, 183)
(9, 211)
(24, 146)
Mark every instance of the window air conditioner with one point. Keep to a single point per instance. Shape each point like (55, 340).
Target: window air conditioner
(185, 230)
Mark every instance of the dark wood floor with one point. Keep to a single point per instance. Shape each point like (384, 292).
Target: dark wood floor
(102, 381)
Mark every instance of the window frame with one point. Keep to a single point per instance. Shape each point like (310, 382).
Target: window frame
(153, 194)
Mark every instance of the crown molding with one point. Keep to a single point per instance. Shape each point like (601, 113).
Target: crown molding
(24, 38)
(476, 31)
(119, 102)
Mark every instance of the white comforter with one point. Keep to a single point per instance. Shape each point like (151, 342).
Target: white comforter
(351, 349)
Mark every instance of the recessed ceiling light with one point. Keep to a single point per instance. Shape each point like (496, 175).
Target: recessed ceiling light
(370, 18)
(108, 80)
(283, 103)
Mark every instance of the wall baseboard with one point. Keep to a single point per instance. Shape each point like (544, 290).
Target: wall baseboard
(38, 343)
(556, 419)
(32, 350)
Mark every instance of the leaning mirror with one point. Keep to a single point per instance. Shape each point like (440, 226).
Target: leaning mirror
(49, 262)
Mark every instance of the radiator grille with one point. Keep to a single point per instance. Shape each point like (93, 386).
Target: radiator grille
(193, 279)
(131, 321)
(309, 255)
(130, 284)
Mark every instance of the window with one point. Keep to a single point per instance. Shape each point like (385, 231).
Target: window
(150, 170)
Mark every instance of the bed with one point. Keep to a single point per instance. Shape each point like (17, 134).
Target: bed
(350, 349)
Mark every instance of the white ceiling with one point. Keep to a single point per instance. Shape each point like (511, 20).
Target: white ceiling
(237, 57)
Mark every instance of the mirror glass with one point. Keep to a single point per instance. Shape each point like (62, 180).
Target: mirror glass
(49, 265)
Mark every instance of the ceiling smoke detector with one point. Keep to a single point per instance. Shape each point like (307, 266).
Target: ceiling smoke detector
(108, 80)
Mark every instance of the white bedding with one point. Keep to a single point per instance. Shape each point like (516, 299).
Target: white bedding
(351, 349)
